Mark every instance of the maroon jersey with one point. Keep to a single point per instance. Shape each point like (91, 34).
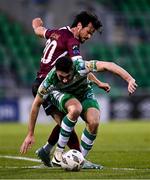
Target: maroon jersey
(60, 42)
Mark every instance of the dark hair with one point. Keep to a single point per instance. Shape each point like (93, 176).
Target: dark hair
(64, 64)
(85, 18)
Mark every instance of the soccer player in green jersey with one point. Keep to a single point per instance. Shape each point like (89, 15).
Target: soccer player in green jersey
(69, 89)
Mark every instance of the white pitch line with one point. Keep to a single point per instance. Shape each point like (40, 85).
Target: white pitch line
(129, 169)
(42, 166)
(21, 158)
(23, 167)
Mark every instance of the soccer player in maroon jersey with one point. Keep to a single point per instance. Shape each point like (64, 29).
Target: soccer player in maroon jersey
(62, 42)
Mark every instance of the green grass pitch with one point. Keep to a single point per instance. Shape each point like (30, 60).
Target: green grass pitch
(122, 147)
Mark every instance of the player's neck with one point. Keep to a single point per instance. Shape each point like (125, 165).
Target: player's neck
(75, 32)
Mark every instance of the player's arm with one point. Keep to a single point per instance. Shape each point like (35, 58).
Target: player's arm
(99, 83)
(29, 140)
(42, 94)
(38, 27)
(74, 53)
(34, 113)
(114, 68)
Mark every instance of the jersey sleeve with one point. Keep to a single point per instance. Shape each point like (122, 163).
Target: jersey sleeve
(91, 66)
(84, 67)
(46, 86)
(48, 33)
(73, 47)
(43, 89)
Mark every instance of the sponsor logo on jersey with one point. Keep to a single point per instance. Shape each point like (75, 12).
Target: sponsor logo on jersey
(76, 50)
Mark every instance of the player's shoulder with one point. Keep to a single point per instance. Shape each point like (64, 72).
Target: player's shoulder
(66, 32)
(65, 29)
(79, 64)
(52, 76)
(63, 32)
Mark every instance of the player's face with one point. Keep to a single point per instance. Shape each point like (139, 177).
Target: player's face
(86, 33)
(64, 77)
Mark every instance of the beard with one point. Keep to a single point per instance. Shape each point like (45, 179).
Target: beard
(81, 40)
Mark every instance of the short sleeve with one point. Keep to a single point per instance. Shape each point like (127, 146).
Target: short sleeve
(73, 47)
(91, 65)
(48, 33)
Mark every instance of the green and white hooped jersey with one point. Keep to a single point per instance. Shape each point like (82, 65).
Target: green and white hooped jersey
(79, 87)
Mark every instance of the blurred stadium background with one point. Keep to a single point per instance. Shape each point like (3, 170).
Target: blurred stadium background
(125, 40)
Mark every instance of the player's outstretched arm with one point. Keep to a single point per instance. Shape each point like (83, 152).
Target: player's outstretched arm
(37, 25)
(114, 68)
(99, 83)
(29, 140)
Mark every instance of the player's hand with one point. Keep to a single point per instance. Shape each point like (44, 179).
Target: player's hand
(37, 22)
(29, 140)
(132, 86)
(105, 86)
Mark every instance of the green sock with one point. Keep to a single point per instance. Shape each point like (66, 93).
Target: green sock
(67, 126)
(87, 141)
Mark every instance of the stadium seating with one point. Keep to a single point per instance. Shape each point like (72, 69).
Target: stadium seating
(134, 56)
(135, 13)
(136, 6)
(20, 52)
(21, 48)
(135, 59)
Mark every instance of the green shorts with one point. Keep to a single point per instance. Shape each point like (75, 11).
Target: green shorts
(59, 99)
(89, 103)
